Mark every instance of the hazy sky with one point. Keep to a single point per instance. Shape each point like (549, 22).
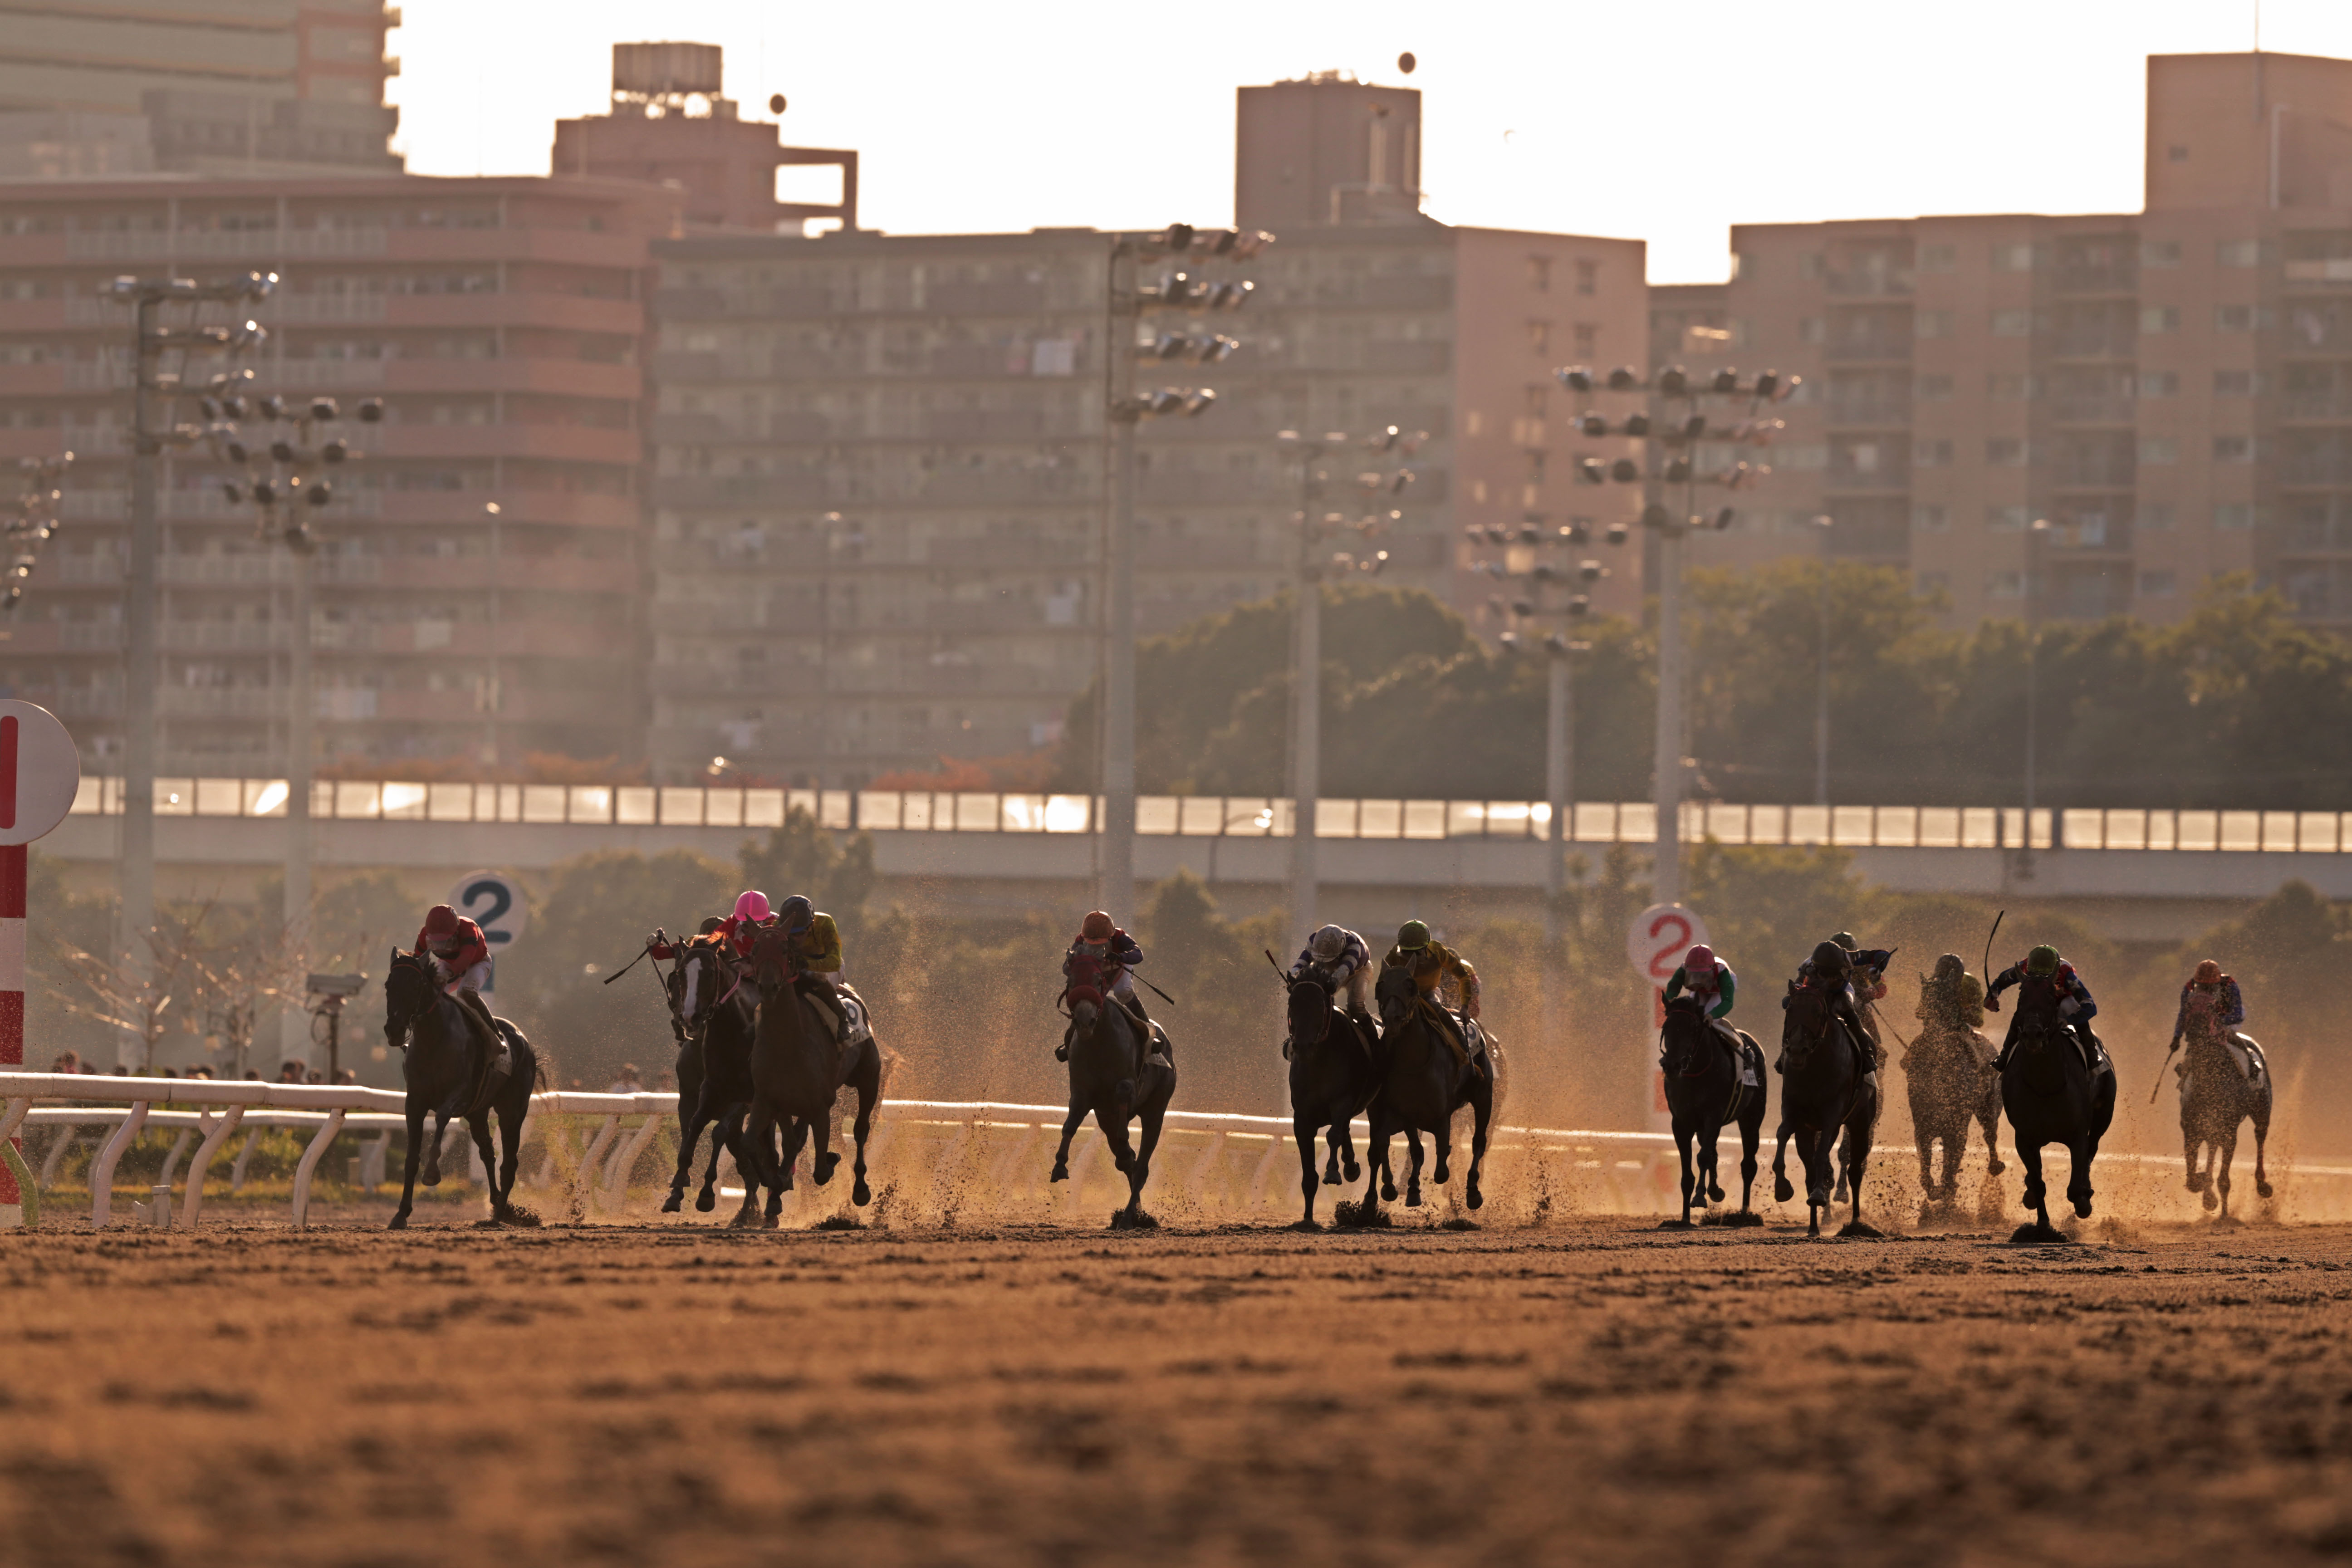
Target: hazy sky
(1662, 120)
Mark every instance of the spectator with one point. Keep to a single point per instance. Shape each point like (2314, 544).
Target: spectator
(347, 1075)
(665, 1082)
(628, 1082)
(294, 1070)
(252, 1076)
(317, 1077)
(67, 1061)
(200, 1071)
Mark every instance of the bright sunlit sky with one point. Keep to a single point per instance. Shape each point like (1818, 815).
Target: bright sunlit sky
(1662, 120)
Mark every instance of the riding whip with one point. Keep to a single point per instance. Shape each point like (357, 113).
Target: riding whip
(631, 965)
(1156, 991)
(2159, 1072)
(1989, 936)
(1278, 975)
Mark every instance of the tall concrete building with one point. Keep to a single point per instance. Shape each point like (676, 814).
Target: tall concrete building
(480, 582)
(282, 89)
(2171, 390)
(881, 486)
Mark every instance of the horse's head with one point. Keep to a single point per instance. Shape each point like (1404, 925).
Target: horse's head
(1394, 993)
(771, 963)
(700, 961)
(1310, 1007)
(1805, 1026)
(1681, 1038)
(408, 990)
(1085, 990)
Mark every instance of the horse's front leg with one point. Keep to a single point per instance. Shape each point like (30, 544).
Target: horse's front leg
(479, 1125)
(1331, 1166)
(2227, 1144)
(408, 1177)
(1683, 1147)
(1302, 1132)
(1412, 1170)
(1070, 1124)
(1482, 1117)
(1781, 1191)
(432, 1176)
(1710, 1187)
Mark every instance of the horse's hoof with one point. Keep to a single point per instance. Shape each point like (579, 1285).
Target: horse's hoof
(1855, 1227)
(2083, 1207)
(2196, 1181)
(1994, 1167)
(1443, 1173)
(823, 1173)
(705, 1201)
(674, 1203)
(1478, 1199)
(2263, 1189)
(1781, 1191)
(1125, 1162)
(429, 1179)
(1675, 1225)
(399, 1221)
(2036, 1235)
(861, 1195)
(1715, 1194)
(1061, 1174)
(1308, 1225)
(771, 1222)
(1388, 1191)
(1412, 1197)
(1355, 1172)
(2211, 1202)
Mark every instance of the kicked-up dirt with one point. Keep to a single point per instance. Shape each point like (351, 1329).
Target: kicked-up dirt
(1595, 1391)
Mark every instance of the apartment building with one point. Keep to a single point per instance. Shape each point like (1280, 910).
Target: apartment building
(227, 89)
(881, 488)
(2171, 390)
(480, 584)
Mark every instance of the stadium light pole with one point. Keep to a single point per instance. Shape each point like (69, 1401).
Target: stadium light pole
(1822, 525)
(2035, 537)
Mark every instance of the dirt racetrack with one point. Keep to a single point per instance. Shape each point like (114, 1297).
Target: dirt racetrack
(1595, 1391)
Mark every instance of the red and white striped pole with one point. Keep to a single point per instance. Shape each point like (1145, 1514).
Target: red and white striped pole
(40, 770)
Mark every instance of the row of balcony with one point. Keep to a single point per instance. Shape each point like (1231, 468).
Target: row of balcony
(268, 249)
(301, 377)
(344, 704)
(571, 508)
(556, 573)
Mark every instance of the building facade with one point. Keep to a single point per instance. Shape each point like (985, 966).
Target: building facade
(2169, 391)
(479, 579)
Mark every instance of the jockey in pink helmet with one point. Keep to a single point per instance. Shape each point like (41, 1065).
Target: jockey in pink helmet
(752, 912)
(1709, 979)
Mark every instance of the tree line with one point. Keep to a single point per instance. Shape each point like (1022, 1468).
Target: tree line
(2235, 706)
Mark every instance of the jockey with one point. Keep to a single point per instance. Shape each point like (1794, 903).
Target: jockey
(461, 958)
(1438, 971)
(1709, 982)
(2211, 1004)
(1830, 970)
(1951, 1001)
(739, 930)
(1109, 946)
(1866, 968)
(2044, 969)
(815, 944)
(1341, 954)
(712, 932)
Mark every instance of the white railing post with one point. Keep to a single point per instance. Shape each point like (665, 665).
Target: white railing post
(1264, 1175)
(325, 1135)
(244, 1154)
(624, 1159)
(101, 1170)
(67, 1135)
(583, 1180)
(193, 1204)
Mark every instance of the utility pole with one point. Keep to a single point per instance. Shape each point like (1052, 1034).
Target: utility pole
(1126, 298)
(1821, 684)
(1666, 757)
(2034, 537)
(300, 718)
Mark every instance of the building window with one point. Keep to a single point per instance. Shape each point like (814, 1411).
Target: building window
(1811, 329)
(1814, 265)
(2177, 153)
(1539, 274)
(1940, 258)
(1588, 276)
(2159, 383)
(2155, 586)
(2012, 257)
(2006, 388)
(1931, 323)
(2156, 517)
(1539, 336)
(1588, 340)
(1930, 520)
(2239, 253)
(2160, 449)
(1472, 423)
(2237, 384)
(1933, 388)
(2233, 448)
(2006, 452)
(2012, 324)
(2236, 516)
(1931, 454)
(2005, 519)
(2159, 253)
(2157, 319)
(1539, 399)
(2240, 318)
(1933, 585)
(2005, 585)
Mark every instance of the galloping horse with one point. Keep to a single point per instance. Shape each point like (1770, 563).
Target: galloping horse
(2215, 1096)
(1117, 1074)
(797, 1069)
(1422, 1084)
(443, 1069)
(1822, 1089)
(1333, 1074)
(1948, 1089)
(2051, 1097)
(717, 1033)
(1707, 1090)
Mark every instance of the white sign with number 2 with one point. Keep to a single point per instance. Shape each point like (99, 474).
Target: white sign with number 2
(1660, 935)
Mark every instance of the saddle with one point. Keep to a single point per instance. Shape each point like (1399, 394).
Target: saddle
(2244, 1055)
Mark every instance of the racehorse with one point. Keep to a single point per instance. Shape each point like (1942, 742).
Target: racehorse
(1119, 1075)
(1948, 1089)
(1707, 1090)
(716, 1034)
(2053, 1097)
(1422, 1083)
(444, 1070)
(1332, 1076)
(797, 1069)
(2215, 1096)
(1823, 1088)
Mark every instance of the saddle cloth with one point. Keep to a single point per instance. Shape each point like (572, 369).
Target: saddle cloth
(861, 1027)
(2244, 1055)
(1469, 1041)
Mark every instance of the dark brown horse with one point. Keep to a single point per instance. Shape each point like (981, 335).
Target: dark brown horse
(2216, 1095)
(1333, 1074)
(1950, 1085)
(1422, 1083)
(443, 1068)
(797, 1069)
(716, 1028)
(1823, 1091)
(1117, 1075)
(1707, 1090)
(2052, 1096)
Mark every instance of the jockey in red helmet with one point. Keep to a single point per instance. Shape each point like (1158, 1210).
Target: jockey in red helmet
(460, 959)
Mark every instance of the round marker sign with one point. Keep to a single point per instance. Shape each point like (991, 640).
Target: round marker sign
(495, 903)
(1660, 935)
(39, 771)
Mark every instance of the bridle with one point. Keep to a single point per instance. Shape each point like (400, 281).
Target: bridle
(1684, 1056)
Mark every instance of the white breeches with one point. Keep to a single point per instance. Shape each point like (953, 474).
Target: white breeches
(475, 979)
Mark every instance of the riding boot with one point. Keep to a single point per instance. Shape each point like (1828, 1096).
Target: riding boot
(486, 1029)
(1061, 1051)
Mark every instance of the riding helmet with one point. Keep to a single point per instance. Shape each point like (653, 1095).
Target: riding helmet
(2042, 961)
(1327, 944)
(2208, 973)
(1414, 935)
(1845, 939)
(440, 921)
(1699, 960)
(751, 907)
(1831, 959)
(1097, 927)
(796, 913)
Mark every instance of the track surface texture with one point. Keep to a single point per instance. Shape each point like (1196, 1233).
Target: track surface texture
(1592, 1392)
